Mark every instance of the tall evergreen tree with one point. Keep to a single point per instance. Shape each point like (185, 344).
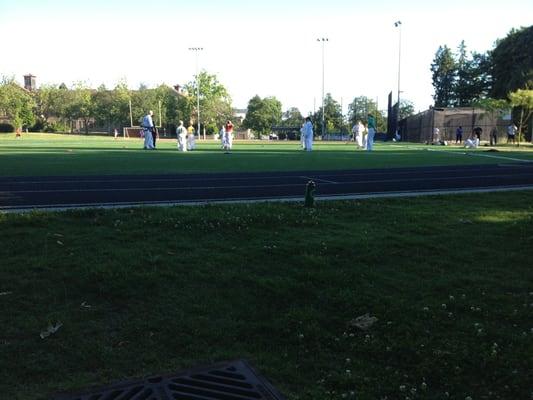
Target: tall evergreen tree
(444, 71)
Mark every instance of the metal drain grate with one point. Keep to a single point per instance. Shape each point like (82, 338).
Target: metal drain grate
(234, 380)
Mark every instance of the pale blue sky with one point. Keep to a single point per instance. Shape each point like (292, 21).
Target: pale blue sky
(267, 48)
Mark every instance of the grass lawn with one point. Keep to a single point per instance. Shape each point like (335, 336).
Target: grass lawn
(52, 154)
(153, 290)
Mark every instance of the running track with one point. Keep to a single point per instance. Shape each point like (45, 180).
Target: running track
(18, 193)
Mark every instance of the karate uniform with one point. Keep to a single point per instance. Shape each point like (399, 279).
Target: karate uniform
(302, 136)
(371, 133)
(148, 125)
(358, 130)
(308, 130)
(228, 142)
(191, 142)
(181, 133)
(222, 137)
(472, 143)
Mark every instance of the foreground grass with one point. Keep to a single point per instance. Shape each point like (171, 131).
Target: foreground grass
(152, 290)
(49, 154)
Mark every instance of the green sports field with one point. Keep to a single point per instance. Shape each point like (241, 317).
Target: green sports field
(54, 154)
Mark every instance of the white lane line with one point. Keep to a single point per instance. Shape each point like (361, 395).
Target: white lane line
(319, 179)
(467, 153)
(67, 207)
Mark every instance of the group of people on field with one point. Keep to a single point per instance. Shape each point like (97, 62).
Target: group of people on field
(187, 142)
(365, 140)
(475, 138)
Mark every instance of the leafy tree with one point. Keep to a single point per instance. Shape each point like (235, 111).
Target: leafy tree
(359, 109)
(512, 62)
(262, 114)
(80, 104)
(16, 103)
(215, 101)
(293, 117)
(332, 115)
(407, 108)
(522, 99)
(444, 72)
(51, 102)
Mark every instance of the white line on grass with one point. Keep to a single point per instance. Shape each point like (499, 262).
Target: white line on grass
(480, 155)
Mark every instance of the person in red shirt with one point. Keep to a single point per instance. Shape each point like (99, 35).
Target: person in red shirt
(228, 142)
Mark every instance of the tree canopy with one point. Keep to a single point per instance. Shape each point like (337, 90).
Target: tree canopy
(262, 114)
(512, 62)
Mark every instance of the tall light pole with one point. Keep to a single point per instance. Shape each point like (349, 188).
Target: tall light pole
(398, 24)
(196, 50)
(323, 40)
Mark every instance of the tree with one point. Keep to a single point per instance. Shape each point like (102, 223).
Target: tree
(293, 117)
(444, 71)
(407, 108)
(262, 114)
(16, 103)
(359, 109)
(51, 102)
(215, 101)
(80, 104)
(512, 63)
(332, 115)
(522, 99)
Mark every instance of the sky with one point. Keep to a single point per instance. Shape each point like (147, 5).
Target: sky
(265, 48)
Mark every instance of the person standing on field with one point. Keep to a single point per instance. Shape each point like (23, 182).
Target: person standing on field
(302, 135)
(222, 136)
(181, 134)
(308, 132)
(459, 135)
(358, 130)
(228, 143)
(147, 127)
(511, 133)
(371, 132)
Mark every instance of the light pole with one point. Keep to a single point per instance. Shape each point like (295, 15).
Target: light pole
(398, 24)
(196, 50)
(323, 40)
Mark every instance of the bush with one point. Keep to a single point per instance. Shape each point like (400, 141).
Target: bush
(5, 128)
(52, 127)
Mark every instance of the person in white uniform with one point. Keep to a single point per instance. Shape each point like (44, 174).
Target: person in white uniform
(472, 143)
(228, 137)
(371, 132)
(308, 132)
(358, 130)
(302, 136)
(181, 133)
(222, 136)
(191, 142)
(148, 126)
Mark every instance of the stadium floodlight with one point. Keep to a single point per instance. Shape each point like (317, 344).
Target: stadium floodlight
(398, 24)
(323, 40)
(196, 50)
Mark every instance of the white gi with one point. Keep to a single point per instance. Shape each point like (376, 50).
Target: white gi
(472, 143)
(371, 132)
(308, 132)
(191, 142)
(228, 140)
(222, 136)
(358, 130)
(181, 133)
(147, 126)
(302, 136)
